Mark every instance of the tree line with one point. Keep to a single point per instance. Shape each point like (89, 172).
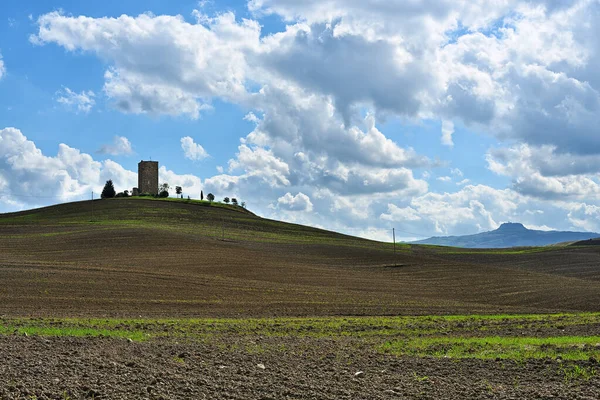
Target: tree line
(163, 191)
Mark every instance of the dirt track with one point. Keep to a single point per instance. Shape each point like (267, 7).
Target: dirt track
(59, 368)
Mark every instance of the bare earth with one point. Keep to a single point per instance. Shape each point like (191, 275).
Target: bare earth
(58, 368)
(58, 264)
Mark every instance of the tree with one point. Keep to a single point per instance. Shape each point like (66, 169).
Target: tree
(109, 190)
(201, 195)
(163, 190)
(178, 190)
(210, 197)
(125, 193)
(234, 201)
(243, 204)
(226, 200)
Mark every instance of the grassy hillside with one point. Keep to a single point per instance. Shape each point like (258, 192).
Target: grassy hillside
(194, 217)
(140, 256)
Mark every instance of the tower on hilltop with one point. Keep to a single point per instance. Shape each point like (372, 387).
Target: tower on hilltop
(148, 177)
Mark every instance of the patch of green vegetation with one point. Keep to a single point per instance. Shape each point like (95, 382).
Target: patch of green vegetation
(573, 373)
(205, 203)
(462, 336)
(512, 348)
(68, 331)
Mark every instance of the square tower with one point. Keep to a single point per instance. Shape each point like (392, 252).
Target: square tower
(148, 177)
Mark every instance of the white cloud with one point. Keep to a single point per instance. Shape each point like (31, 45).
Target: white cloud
(79, 102)
(29, 178)
(161, 64)
(524, 72)
(191, 184)
(120, 146)
(541, 172)
(261, 163)
(32, 178)
(447, 131)
(444, 179)
(457, 172)
(191, 150)
(521, 70)
(299, 202)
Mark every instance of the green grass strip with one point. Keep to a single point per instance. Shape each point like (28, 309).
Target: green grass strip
(514, 348)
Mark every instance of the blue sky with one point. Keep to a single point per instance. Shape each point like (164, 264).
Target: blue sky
(346, 115)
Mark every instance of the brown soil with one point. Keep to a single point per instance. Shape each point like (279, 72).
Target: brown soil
(55, 268)
(59, 368)
(52, 267)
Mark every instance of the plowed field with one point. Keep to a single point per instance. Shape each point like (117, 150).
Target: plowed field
(134, 257)
(137, 298)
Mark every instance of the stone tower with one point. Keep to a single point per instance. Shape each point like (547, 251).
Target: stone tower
(148, 177)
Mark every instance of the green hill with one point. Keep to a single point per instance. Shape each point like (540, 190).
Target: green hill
(194, 217)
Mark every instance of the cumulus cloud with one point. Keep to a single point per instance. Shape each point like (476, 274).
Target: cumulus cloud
(120, 146)
(191, 184)
(261, 163)
(299, 202)
(79, 102)
(32, 178)
(541, 172)
(518, 70)
(29, 178)
(524, 72)
(191, 150)
(160, 64)
(472, 209)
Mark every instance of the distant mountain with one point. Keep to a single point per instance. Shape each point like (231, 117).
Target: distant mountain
(509, 235)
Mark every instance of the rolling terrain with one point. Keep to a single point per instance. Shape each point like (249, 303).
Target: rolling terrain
(177, 258)
(158, 299)
(510, 235)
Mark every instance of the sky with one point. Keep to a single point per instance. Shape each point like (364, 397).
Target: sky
(433, 117)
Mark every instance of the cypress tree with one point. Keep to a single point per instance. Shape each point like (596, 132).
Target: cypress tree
(109, 190)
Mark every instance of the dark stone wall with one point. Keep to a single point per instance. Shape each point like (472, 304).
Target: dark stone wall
(148, 177)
